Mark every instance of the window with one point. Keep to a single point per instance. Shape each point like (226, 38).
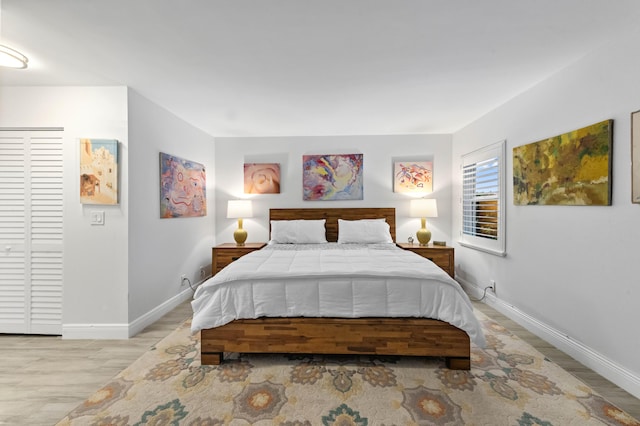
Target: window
(483, 193)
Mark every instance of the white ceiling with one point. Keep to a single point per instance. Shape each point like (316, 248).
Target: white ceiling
(311, 67)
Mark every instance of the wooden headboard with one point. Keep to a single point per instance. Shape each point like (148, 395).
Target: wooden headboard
(332, 216)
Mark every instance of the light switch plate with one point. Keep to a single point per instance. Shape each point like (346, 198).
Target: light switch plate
(97, 217)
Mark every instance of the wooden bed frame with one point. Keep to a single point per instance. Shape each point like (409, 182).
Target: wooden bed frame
(339, 336)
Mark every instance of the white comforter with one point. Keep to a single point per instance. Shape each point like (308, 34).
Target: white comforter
(333, 280)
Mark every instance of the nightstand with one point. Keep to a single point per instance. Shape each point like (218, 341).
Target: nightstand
(224, 254)
(442, 256)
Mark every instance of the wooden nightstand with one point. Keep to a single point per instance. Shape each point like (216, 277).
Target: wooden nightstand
(440, 255)
(224, 254)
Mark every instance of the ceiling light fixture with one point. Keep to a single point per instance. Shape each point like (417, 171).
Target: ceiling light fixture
(12, 58)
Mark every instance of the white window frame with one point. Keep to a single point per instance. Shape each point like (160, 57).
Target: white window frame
(496, 246)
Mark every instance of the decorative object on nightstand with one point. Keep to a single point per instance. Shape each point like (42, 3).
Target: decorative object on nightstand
(239, 209)
(423, 208)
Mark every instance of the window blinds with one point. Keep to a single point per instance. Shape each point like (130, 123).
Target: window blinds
(483, 209)
(481, 198)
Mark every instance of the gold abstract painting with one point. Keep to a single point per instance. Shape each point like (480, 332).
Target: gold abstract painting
(570, 169)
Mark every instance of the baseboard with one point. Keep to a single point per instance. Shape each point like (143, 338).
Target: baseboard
(95, 331)
(577, 350)
(124, 331)
(158, 312)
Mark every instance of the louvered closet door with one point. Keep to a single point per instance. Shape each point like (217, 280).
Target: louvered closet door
(31, 231)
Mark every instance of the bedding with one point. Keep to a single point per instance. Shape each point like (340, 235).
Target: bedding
(298, 231)
(333, 280)
(363, 231)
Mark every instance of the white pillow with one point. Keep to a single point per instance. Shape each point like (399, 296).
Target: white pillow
(365, 231)
(298, 231)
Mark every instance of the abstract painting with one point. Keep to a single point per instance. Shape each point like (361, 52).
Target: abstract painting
(571, 169)
(98, 171)
(332, 177)
(635, 157)
(413, 176)
(261, 178)
(183, 186)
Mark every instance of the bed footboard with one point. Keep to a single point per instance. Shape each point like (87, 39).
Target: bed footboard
(339, 336)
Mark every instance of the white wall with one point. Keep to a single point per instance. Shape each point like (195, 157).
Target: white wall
(95, 257)
(571, 273)
(122, 276)
(161, 250)
(379, 153)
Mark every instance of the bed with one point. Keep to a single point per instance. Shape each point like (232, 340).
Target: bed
(232, 309)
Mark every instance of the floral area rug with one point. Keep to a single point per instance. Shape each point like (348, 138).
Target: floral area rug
(510, 383)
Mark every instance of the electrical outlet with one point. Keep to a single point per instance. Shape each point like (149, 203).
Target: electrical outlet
(203, 272)
(492, 284)
(183, 280)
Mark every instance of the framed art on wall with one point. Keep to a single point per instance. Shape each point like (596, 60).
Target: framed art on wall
(413, 176)
(183, 185)
(573, 168)
(261, 178)
(635, 157)
(98, 171)
(332, 177)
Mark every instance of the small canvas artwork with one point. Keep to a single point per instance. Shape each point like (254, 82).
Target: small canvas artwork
(571, 169)
(332, 177)
(413, 176)
(183, 186)
(98, 171)
(261, 178)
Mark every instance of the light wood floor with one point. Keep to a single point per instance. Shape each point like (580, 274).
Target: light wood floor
(37, 391)
(43, 378)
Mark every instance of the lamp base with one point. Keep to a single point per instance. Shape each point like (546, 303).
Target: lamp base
(240, 236)
(424, 236)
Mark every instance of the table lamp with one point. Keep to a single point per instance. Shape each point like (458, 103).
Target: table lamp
(239, 209)
(423, 208)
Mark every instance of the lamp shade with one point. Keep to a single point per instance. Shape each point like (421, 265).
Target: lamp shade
(423, 207)
(239, 209)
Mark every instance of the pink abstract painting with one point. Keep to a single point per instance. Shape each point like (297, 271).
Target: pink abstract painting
(261, 178)
(182, 187)
(332, 177)
(413, 176)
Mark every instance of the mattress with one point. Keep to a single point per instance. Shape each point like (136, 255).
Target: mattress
(333, 280)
